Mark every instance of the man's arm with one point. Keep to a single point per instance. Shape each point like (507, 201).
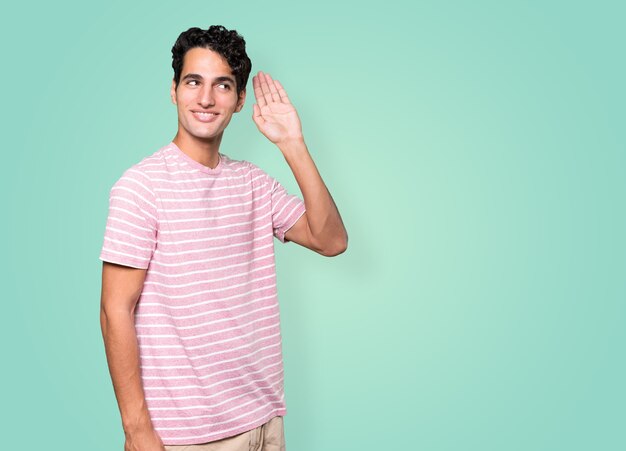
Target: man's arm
(121, 287)
(320, 228)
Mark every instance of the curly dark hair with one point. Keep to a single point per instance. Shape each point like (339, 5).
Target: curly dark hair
(228, 43)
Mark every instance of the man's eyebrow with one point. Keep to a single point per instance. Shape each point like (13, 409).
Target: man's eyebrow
(225, 78)
(193, 76)
(216, 79)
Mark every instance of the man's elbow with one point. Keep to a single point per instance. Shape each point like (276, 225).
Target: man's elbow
(335, 247)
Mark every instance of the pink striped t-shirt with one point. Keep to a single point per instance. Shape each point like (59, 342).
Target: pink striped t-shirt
(207, 319)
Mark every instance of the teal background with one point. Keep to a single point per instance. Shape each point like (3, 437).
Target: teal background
(476, 152)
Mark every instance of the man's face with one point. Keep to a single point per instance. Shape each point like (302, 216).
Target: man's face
(206, 97)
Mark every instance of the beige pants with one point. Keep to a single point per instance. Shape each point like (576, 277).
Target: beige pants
(267, 437)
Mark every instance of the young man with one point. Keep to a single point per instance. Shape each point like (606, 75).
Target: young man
(189, 309)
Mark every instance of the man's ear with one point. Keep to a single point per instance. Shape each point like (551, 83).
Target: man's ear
(241, 101)
(173, 92)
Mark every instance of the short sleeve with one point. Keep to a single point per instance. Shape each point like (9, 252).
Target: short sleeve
(286, 209)
(131, 228)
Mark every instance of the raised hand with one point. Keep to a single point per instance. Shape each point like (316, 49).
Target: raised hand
(274, 115)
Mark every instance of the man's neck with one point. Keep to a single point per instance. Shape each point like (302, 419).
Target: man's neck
(204, 152)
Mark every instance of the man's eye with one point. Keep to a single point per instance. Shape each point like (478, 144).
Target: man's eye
(224, 85)
(192, 81)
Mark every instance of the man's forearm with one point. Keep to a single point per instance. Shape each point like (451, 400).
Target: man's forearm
(323, 217)
(120, 340)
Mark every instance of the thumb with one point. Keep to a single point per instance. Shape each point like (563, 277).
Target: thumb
(256, 115)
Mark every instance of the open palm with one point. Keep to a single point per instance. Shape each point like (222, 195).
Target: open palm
(274, 115)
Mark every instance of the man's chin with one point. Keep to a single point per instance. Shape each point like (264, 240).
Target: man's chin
(206, 137)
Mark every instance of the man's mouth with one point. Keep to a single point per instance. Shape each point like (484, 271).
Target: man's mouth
(205, 116)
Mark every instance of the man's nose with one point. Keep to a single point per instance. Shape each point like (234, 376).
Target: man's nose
(205, 97)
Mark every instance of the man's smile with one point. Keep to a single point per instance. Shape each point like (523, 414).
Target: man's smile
(204, 116)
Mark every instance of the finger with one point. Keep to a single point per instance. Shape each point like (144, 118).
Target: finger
(282, 92)
(273, 89)
(265, 88)
(258, 93)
